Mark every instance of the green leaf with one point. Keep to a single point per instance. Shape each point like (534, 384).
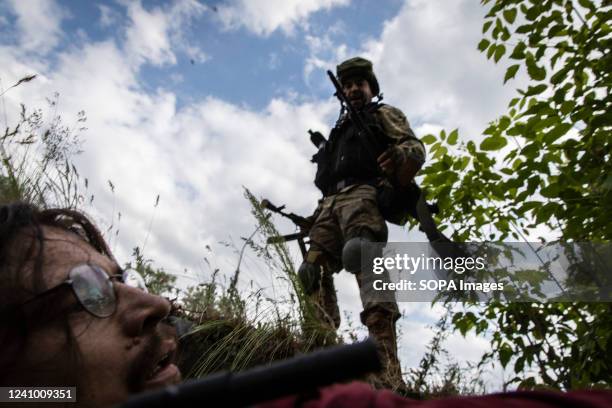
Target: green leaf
(551, 190)
(486, 26)
(471, 147)
(452, 138)
(536, 90)
(517, 163)
(545, 212)
(483, 44)
(491, 50)
(500, 50)
(587, 4)
(529, 205)
(535, 72)
(510, 15)
(519, 51)
(504, 122)
(560, 75)
(544, 123)
(492, 143)
(567, 107)
(524, 29)
(490, 129)
(555, 30)
(505, 353)
(556, 132)
(511, 73)
(533, 12)
(428, 139)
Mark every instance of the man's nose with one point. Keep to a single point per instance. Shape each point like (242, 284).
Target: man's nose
(139, 311)
(351, 87)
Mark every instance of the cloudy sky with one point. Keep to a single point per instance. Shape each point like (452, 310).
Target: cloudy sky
(196, 100)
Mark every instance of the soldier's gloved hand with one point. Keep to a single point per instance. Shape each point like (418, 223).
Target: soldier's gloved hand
(388, 160)
(399, 166)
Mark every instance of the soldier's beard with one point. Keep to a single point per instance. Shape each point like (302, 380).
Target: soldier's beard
(357, 99)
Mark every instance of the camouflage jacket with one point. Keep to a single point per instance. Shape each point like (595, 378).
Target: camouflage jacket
(396, 126)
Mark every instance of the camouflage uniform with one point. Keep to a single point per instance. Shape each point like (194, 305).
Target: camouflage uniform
(352, 212)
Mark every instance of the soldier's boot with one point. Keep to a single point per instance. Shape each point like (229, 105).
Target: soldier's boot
(381, 327)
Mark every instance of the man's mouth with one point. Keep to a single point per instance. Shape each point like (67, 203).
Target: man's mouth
(163, 371)
(356, 99)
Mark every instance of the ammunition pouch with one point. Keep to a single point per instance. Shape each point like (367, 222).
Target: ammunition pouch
(396, 203)
(323, 177)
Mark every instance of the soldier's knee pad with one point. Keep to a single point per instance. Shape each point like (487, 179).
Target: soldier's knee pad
(353, 251)
(309, 275)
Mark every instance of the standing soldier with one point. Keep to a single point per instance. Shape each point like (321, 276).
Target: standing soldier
(353, 165)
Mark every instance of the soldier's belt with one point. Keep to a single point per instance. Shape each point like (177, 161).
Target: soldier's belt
(350, 181)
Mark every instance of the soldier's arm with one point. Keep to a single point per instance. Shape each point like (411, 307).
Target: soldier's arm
(407, 155)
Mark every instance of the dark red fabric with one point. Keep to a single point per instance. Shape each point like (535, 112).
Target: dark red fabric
(361, 395)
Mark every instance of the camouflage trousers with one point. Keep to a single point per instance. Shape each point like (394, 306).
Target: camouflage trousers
(352, 212)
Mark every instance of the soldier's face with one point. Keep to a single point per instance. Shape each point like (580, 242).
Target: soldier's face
(357, 91)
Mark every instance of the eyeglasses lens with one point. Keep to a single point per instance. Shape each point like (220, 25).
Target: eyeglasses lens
(94, 290)
(134, 279)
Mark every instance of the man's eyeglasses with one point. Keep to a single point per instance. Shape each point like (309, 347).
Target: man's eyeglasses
(94, 288)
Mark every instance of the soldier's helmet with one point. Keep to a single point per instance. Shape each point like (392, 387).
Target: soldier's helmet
(358, 67)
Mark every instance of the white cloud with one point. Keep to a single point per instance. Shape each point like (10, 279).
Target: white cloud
(263, 17)
(147, 37)
(428, 65)
(324, 54)
(108, 16)
(39, 24)
(154, 35)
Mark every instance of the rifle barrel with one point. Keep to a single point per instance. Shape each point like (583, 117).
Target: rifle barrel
(264, 383)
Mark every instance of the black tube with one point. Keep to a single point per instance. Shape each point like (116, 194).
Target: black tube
(297, 375)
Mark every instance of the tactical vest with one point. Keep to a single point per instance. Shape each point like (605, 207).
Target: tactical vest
(351, 155)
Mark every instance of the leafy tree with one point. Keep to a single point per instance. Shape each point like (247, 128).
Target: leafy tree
(546, 163)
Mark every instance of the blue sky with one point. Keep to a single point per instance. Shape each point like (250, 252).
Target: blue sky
(237, 65)
(197, 132)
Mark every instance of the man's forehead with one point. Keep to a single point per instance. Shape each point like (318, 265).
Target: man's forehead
(60, 240)
(354, 79)
(63, 249)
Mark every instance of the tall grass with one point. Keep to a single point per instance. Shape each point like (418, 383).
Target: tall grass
(36, 156)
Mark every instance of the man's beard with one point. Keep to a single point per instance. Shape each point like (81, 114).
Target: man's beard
(144, 364)
(357, 99)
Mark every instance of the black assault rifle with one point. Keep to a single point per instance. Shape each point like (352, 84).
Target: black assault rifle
(302, 223)
(299, 375)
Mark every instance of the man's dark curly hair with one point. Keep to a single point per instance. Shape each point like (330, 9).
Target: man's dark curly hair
(22, 242)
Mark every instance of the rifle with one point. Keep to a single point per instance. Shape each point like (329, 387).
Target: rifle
(300, 374)
(303, 223)
(317, 139)
(346, 104)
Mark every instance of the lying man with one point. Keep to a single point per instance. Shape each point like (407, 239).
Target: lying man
(70, 316)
